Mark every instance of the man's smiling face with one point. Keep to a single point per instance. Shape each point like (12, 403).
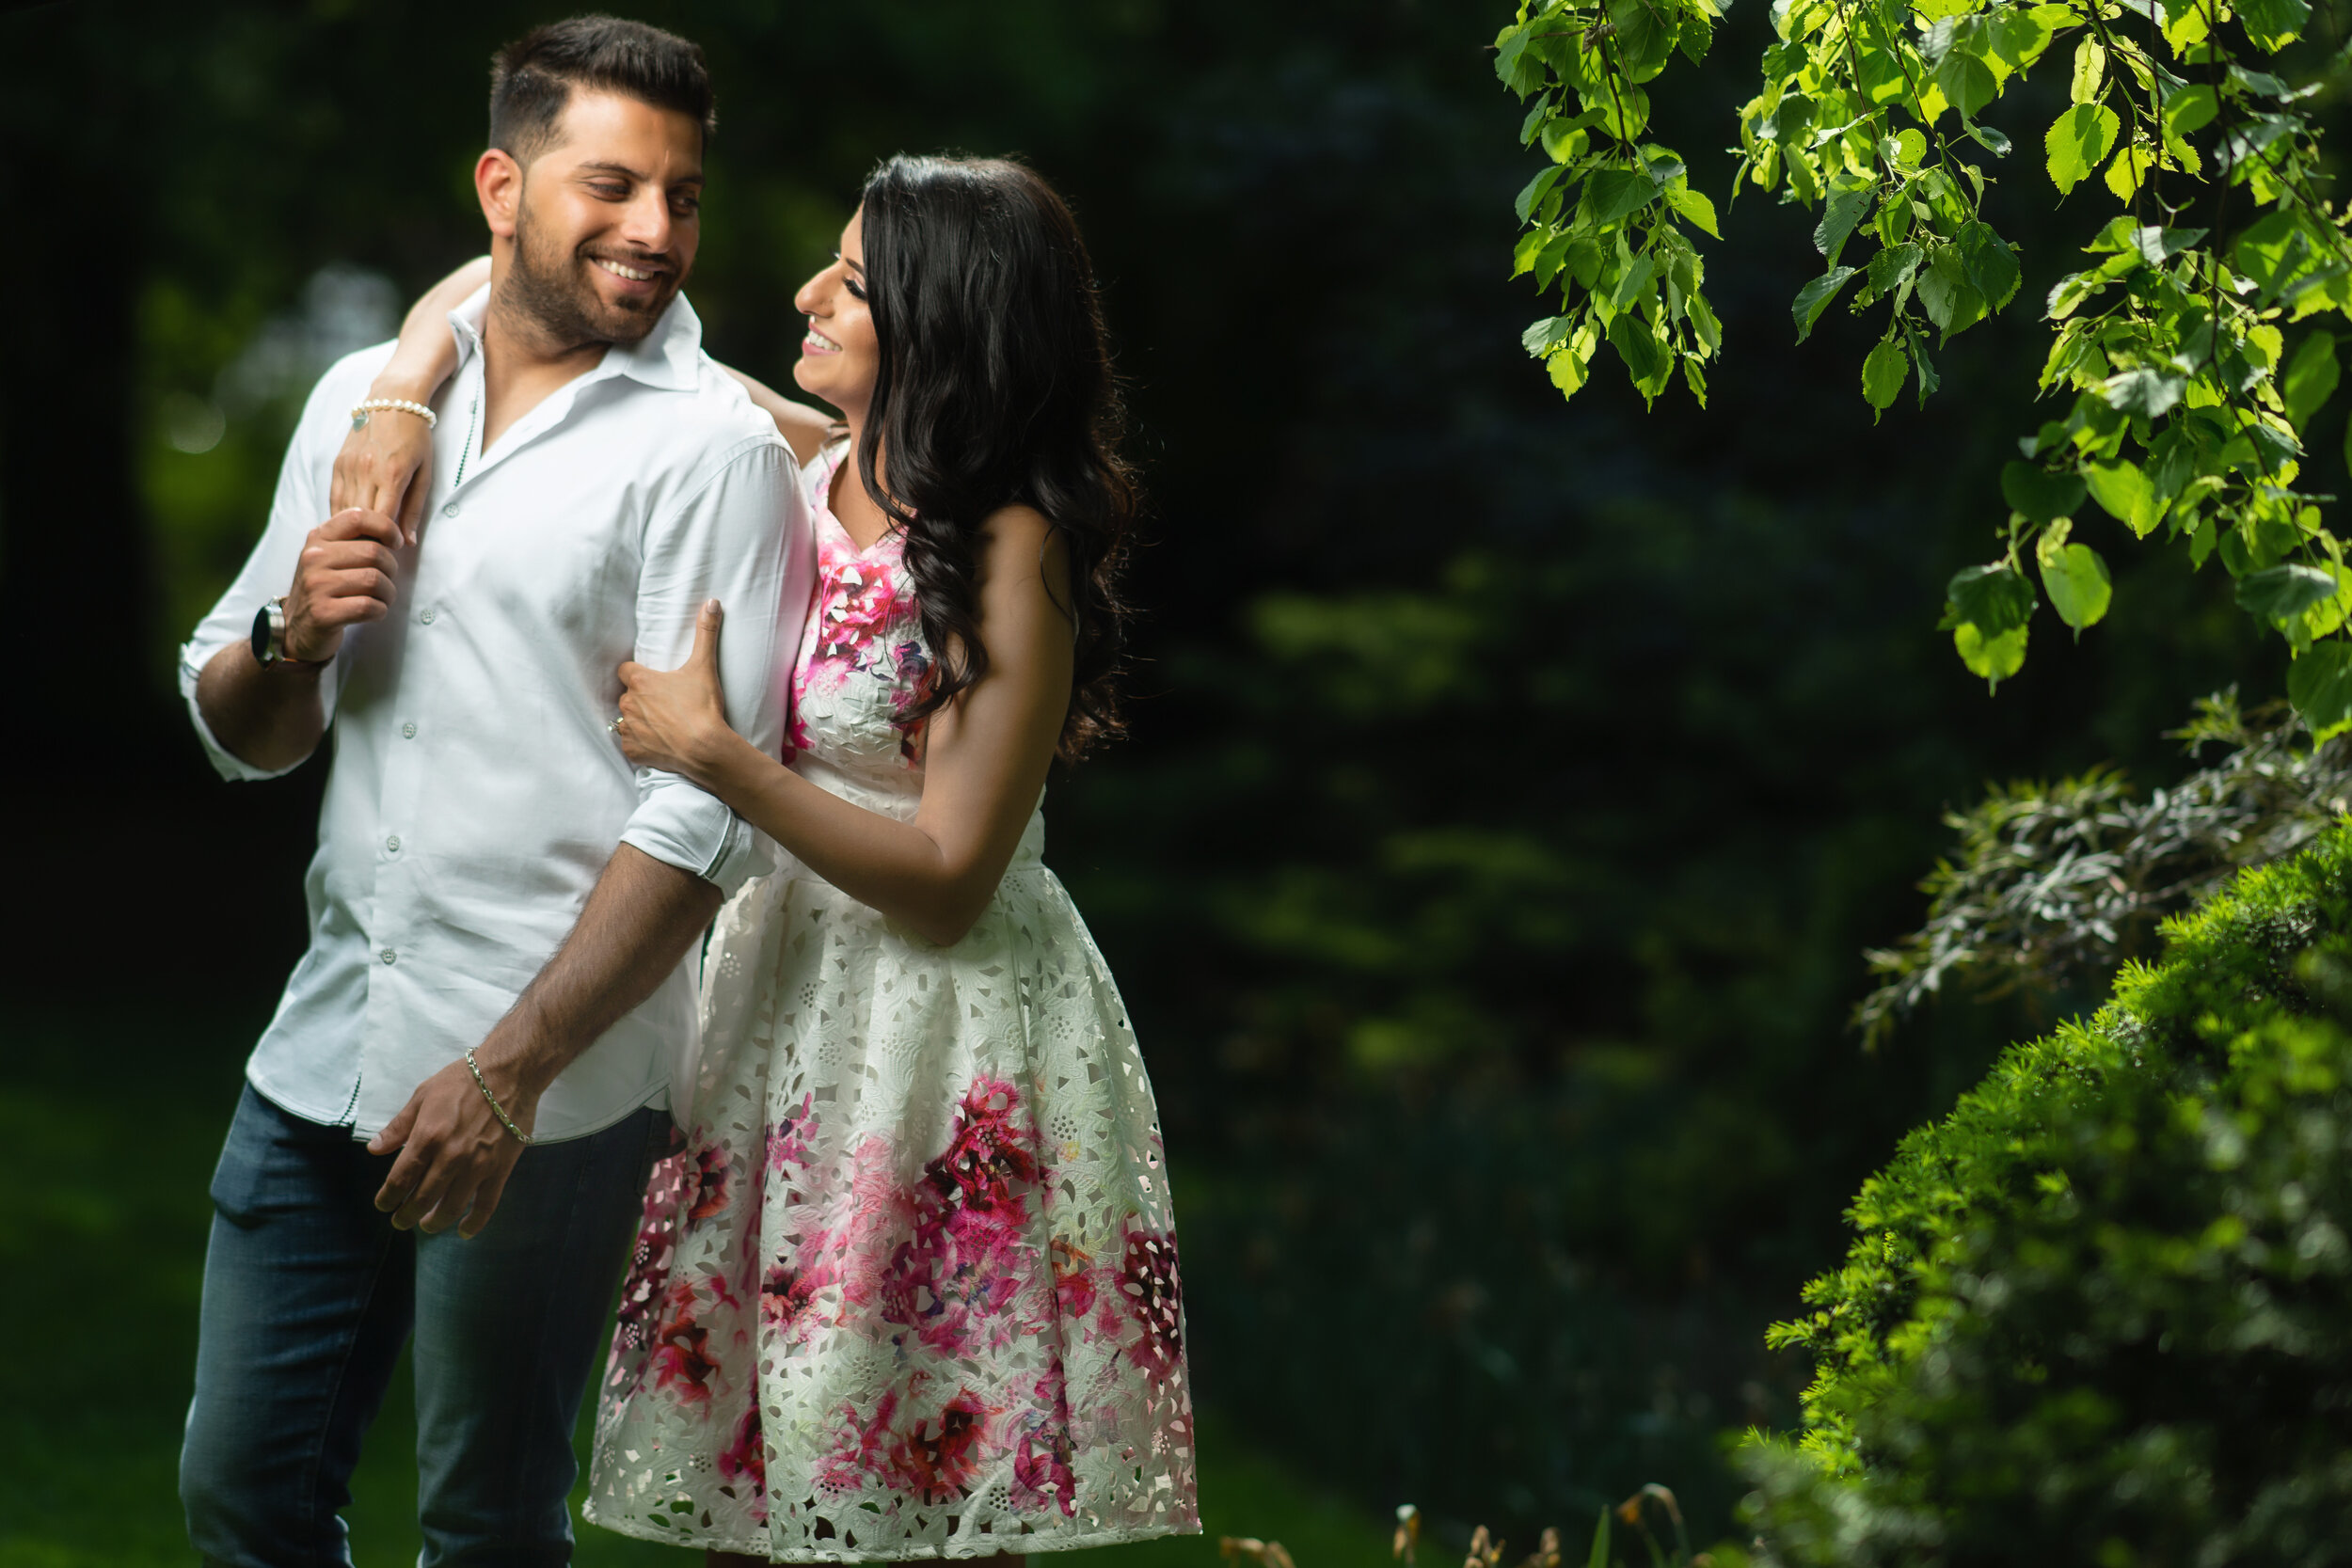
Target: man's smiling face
(609, 219)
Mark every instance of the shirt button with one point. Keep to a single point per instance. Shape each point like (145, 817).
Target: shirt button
(388, 955)
(408, 732)
(392, 843)
(428, 615)
(450, 511)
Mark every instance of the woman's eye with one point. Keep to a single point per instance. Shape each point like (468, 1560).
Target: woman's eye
(857, 290)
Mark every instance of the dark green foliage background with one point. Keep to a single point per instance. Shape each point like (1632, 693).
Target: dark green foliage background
(1513, 787)
(2097, 1315)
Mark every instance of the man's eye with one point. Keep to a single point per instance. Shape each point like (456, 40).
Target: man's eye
(610, 190)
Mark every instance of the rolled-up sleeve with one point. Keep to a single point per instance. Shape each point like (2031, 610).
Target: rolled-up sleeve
(726, 540)
(295, 511)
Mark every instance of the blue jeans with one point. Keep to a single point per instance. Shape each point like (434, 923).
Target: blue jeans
(310, 1294)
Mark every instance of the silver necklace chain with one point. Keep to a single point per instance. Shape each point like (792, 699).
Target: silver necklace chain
(473, 419)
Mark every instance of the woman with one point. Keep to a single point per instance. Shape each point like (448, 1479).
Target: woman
(911, 1290)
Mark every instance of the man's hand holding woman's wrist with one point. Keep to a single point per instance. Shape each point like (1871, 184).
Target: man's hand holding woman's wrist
(346, 576)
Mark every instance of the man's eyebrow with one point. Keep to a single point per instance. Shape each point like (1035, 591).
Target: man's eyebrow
(603, 167)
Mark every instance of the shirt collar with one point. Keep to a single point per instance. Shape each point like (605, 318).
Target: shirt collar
(667, 357)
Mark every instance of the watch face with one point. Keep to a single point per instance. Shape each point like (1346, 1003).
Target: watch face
(262, 638)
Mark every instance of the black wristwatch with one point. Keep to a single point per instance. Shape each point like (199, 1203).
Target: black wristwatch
(269, 638)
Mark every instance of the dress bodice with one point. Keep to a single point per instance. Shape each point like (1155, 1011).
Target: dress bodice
(863, 663)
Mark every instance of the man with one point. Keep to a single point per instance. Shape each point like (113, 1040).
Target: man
(500, 911)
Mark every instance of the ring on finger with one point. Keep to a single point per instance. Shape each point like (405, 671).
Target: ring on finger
(618, 719)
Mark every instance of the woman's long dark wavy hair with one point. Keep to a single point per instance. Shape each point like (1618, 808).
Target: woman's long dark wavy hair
(994, 388)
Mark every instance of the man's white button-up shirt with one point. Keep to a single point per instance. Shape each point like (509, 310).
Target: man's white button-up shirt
(476, 792)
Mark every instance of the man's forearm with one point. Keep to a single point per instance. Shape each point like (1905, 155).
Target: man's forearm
(639, 920)
(267, 719)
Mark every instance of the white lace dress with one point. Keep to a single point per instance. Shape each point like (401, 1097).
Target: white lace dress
(910, 1291)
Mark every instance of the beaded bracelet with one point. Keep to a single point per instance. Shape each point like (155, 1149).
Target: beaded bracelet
(500, 1111)
(392, 406)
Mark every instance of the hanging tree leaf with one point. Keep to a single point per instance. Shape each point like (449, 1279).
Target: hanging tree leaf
(2189, 363)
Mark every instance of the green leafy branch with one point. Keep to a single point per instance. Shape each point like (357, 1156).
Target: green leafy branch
(1605, 221)
(2184, 406)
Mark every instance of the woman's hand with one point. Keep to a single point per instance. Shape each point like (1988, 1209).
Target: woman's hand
(386, 466)
(676, 719)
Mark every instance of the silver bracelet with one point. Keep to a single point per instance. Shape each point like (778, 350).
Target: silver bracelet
(359, 412)
(497, 1109)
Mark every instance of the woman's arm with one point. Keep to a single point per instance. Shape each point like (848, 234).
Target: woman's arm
(385, 465)
(804, 427)
(985, 758)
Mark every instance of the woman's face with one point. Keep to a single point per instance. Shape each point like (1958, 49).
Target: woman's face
(839, 357)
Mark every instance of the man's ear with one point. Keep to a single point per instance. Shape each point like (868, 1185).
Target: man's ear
(498, 180)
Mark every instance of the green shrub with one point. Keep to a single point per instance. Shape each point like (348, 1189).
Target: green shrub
(2101, 1313)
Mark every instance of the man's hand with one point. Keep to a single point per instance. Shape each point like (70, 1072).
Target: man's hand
(346, 575)
(456, 1155)
(641, 918)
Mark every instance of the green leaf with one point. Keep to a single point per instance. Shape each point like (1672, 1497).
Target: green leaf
(2077, 582)
(2126, 493)
(2185, 24)
(1882, 376)
(1993, 597)
(1967, 83)
(1535, 191)
(2129, 166)
(1612, 194)
(2090, 71)
(1517, 68)
(1635, 283)
(2319, 684)
(1992, 141)
(2272, 24)
(1600, 1557)
(1991, 263)
(1843, 210)
(1695, 208)
(1814, 298)
(1567, 372)
(2190, 110)
(1952, 302)
(1645, 36)
(1548, 334)
(2310, 377)
(1645, 358)
(1996, 658)
(2147, 392)
(2077, 140)
(2040, 494)
(2282, 594)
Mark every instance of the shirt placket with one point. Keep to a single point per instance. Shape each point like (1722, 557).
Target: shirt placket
(388, 1045)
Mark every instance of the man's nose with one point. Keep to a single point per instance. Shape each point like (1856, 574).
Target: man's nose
(648, 224)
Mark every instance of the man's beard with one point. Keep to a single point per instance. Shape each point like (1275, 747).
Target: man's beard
(551, 288)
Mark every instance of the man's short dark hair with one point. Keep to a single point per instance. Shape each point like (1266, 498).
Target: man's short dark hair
(531, 79)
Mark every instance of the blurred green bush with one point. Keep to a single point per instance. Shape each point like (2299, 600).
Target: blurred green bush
(2101, 1313)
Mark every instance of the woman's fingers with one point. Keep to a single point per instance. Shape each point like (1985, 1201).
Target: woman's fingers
(707, 622)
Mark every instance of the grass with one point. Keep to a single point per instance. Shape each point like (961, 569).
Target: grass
(110, 1120)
